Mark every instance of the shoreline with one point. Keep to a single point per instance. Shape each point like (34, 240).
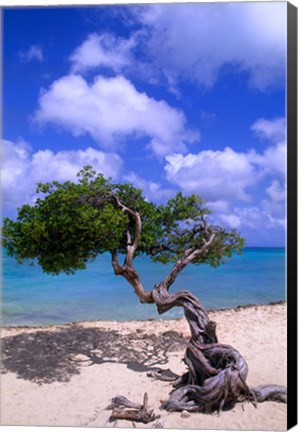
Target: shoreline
(209, 311)
(72, 371)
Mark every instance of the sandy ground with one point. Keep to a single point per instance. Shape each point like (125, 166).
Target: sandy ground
(67, 375)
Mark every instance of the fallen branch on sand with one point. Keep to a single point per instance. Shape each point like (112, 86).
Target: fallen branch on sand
(127, 410)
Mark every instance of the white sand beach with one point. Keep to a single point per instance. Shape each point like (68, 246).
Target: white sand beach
(67, 375)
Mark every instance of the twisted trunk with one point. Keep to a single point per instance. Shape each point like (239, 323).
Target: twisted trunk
(217, 373)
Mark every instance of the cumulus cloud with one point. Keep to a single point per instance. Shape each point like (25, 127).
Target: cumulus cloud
(111, 110)
(22, 168)
(194, 41)
(216, 175)
(276, 191)
(224, 175)
(269, 214)
(256, 224)
(272, 130)
(219, 206)
(14, 171)
(256, 218)
(152, 190)
(35, 52)
(231, 220)
(274, 203)
(273, 159)
(224, 179)
(102, 50)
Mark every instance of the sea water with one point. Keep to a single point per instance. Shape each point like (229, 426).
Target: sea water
(31, 297)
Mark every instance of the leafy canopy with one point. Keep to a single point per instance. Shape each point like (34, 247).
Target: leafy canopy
(74, 222)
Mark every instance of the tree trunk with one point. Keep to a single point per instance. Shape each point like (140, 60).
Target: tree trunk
(217, 372)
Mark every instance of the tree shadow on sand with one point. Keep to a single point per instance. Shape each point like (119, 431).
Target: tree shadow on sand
(57, 355)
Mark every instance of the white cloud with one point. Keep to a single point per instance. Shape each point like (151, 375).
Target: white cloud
(102, 50)
(231, 220)
(216, 175)
(194, 41)
(271, 161)
(219, 206)
(14, 171)
(35, 52)
(110, 110)
(275, 210)
(152, 191)
(64, 165)
(274, 204)
(256, 218)
(22, 168)
(276, 192)
(272, 130)
(223, 178)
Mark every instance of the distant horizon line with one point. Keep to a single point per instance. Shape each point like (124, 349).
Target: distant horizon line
(264, 247)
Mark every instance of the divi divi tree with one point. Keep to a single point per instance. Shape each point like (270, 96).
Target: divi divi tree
(74, 222)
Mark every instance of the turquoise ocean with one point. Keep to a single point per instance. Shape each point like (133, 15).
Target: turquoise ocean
(32, 298)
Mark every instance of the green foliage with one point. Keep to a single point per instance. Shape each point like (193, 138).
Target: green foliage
(74, 222)
(184, 226)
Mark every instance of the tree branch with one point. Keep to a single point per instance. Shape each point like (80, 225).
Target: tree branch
(131, 245)
(188, 256)
(154, 250)
(118, 270)
(132, 277)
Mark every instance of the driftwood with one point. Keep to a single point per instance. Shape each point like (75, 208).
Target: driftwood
(163, 375)
(127, 410)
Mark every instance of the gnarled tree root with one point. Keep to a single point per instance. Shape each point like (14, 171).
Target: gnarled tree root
(127, 410)
(270, 392)
(217, 373)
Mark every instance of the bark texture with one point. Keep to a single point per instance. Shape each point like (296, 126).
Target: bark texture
(217, 372)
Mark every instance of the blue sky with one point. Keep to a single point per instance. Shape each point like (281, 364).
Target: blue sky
(169, 97)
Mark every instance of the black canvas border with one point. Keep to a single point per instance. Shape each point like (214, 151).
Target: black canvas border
(292, 213)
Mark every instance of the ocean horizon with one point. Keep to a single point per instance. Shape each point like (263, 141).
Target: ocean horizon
(33, 298)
